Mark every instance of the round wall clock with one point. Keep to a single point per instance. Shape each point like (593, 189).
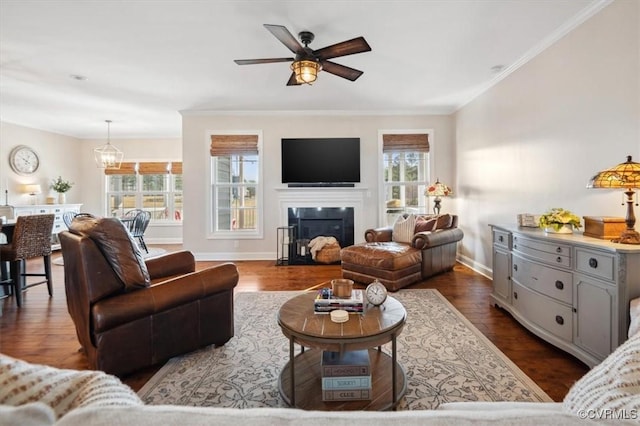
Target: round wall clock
(24, 160)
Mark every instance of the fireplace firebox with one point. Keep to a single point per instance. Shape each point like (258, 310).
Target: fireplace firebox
(312, 222)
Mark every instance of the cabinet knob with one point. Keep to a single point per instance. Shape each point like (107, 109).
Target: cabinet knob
(559, 320)
(515, 246)
(559, 285)
(559, 259)
(593, 262)
(559, 250)
(501, 238)
(515, 294)
(515, 267)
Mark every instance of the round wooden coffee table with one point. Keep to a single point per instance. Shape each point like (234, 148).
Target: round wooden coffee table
(301, 379)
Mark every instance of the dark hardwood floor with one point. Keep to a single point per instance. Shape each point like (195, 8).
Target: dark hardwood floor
(42, 331)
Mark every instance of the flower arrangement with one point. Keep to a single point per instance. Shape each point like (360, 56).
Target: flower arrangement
(60, 185)
(557, 217)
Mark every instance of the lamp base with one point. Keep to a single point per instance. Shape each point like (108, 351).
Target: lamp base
(436, 205)
(629, 236)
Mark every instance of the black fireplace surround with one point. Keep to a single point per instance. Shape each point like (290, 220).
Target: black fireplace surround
(312, 222)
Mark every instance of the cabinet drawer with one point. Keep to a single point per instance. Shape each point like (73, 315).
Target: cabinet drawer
(547, 247)
(599, 264)
(543, 311)
(543, 279)
(502, 239)
(557, 259)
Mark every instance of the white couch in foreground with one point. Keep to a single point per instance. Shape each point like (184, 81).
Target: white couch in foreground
(36, 395)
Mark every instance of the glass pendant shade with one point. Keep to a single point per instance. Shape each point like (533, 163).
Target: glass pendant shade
(306, 71)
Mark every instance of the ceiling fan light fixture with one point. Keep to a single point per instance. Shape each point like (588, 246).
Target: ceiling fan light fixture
(306, 71)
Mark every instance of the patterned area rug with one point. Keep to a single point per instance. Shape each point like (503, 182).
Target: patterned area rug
(445, 357)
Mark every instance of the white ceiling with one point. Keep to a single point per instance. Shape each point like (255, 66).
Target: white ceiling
(145, 61)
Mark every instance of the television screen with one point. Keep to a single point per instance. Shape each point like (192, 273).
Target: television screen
(321, 161)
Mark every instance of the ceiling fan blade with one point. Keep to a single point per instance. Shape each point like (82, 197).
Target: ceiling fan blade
(261, 61)
(341, 70)
(292, 80)
(349, 47)
(285, 37)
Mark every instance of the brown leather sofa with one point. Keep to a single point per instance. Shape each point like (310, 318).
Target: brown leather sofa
(129, 313)
(397, 265)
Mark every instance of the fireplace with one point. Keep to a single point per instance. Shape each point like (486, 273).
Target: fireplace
(311, 222)
(331, 212)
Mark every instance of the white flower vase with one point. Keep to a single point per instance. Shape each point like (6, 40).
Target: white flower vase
(564, 229)
(62, 198)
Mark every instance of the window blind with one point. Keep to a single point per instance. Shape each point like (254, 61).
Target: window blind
(405, 142)
(224, 145)
(147, 168)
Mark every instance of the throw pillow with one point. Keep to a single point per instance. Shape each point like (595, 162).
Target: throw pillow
(118, 247)
(403, 229)
(424, 225)
(443, 221)
(614, 384)
(62, 390)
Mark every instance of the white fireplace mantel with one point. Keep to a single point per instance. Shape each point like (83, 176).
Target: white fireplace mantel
(324, 197)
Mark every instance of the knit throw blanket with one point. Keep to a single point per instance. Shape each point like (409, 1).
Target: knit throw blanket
(62, 390)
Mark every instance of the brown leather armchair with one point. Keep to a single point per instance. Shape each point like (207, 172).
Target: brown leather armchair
(129, 313)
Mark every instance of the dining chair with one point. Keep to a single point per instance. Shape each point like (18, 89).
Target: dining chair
(139, 226)
(31, 239)
(67, 218)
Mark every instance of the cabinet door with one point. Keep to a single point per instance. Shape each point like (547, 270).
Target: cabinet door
(595, 310)
(501, 278)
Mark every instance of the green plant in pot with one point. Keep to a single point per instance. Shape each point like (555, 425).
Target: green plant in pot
(560, 221)
(61, 186)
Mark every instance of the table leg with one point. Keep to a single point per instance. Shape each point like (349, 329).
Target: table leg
(291, 360)
(393, 371)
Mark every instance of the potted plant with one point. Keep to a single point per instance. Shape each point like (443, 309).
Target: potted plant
(559, 221)
(61, 187)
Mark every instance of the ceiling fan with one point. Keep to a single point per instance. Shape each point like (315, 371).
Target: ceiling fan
(307, 62)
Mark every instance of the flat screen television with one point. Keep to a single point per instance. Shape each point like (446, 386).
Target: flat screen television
(321, 161)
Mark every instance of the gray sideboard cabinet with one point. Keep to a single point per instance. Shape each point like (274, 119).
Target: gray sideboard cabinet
(571, 290)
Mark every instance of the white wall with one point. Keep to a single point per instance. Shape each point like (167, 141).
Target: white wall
(533, 141)
(59, 156)
(197, 127)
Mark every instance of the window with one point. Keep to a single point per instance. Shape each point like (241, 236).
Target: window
(152, 186)
(235, 186)
(405, 173)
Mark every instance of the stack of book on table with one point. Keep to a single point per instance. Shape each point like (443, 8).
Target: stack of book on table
(325, 302)
(346, 376)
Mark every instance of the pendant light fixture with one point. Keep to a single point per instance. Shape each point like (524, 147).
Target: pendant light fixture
(108, 156)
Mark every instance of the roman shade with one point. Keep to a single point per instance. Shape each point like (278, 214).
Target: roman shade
(225, 145)
(405, 142)
(147, 168)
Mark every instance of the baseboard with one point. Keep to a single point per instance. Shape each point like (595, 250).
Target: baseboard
(477, 267)
(233, 256)
(177, 240)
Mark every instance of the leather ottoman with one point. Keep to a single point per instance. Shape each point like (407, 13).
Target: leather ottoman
(395, 265)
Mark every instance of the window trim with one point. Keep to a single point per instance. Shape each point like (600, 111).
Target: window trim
(258, 233)
(381, 184)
